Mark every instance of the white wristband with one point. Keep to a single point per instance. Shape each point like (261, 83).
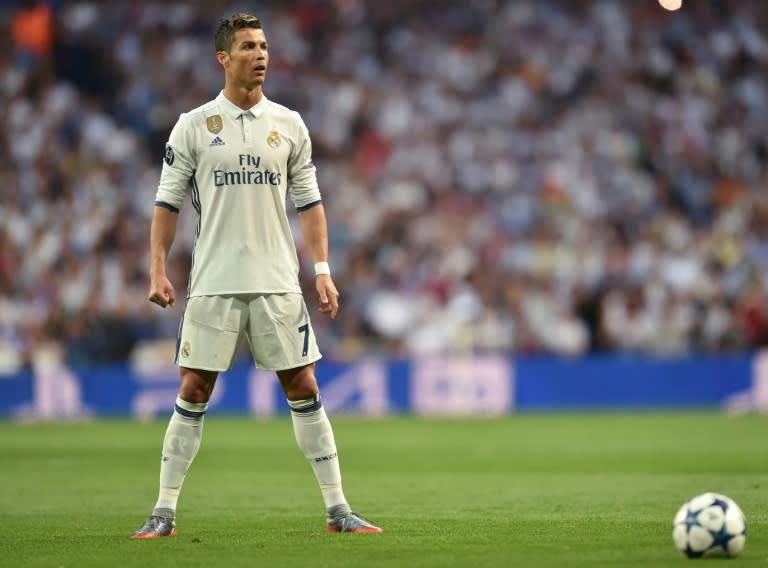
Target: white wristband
(322, 268)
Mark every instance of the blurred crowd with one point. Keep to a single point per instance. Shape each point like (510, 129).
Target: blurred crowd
(535, 177)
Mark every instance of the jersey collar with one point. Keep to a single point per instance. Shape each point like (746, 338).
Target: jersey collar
(235, 111)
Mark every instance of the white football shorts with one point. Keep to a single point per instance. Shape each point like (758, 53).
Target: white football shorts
(277, 326)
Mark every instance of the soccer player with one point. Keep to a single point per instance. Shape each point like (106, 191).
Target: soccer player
(239, 155)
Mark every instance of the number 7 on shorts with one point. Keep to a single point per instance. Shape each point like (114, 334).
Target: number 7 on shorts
(305, 330)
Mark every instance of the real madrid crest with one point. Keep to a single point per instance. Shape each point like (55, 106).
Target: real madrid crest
(214, 123)
(186, 349)
(274, 139)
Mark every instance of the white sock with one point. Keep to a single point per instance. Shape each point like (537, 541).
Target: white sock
(182, 440)
(314, 436)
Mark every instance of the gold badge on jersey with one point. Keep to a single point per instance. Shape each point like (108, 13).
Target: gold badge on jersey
(214, 123)
(274, 139)
(186, 349)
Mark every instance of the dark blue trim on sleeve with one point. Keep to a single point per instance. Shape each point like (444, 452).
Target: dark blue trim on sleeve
(166, 206)
(309, 205)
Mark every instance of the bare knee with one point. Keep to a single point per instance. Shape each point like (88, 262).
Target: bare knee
(197, 385)
(299, 383)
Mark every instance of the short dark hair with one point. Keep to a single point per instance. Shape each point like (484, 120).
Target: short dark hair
(225, 33)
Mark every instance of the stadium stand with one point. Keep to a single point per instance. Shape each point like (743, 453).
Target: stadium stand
(531, 177)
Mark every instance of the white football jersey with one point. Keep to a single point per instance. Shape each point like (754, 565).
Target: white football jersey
(238, 166)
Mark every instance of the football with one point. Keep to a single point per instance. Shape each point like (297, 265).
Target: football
(710, 524)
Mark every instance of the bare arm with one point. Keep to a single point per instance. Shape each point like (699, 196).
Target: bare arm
(161, 237)
(314, 228)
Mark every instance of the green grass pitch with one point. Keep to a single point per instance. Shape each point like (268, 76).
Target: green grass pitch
(524, 490)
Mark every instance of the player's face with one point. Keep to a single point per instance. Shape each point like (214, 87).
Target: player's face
(247, 61)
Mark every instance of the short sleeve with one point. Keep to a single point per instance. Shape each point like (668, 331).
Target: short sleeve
(301, 171)
(178, 166)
